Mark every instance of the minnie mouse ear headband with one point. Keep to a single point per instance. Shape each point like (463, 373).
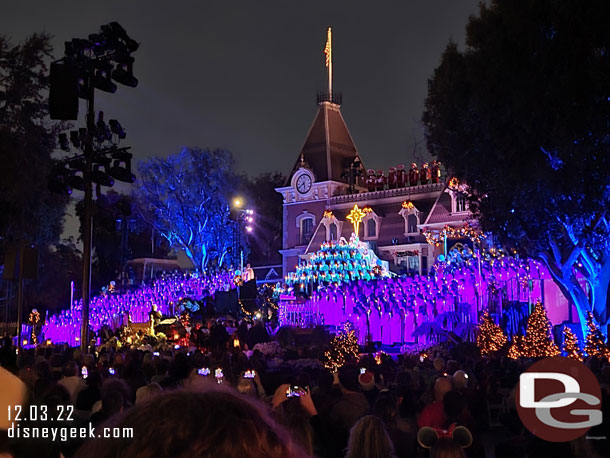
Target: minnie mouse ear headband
(427, 436)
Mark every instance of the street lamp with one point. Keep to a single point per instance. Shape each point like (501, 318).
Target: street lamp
(241, 217)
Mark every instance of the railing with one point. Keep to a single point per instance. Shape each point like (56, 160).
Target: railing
(335, 97)
(397, 192)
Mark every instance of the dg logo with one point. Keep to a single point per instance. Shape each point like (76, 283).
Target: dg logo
(558, 399)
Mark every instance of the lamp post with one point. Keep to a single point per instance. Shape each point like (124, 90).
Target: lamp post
(242, 217)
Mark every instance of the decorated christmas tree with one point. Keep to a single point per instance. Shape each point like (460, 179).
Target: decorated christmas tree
(538, 340)
(594, 343)
(570, 346)
(343, 346)
(491, 338)
(514, 352)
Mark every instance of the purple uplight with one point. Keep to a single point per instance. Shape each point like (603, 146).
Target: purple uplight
(113, 309)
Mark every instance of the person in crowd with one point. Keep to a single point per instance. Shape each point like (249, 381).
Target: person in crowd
(92, 393)
(368, 438)
(368, 386)
(211, 421)
(112, 403)
(353, 404)
(447, 448)
(145, 392)
(386, 408)
(433, 415)
(71, 380)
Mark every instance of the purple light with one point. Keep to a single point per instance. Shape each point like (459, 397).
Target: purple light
(249, 229)
(112, 309)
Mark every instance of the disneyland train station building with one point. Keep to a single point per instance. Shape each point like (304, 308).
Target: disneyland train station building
(329, 179)
(345, 225)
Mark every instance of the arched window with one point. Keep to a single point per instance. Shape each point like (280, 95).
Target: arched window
(306, 230)
(412, 222)
(411, 214)
(332, 229)
(460, 203)
(371, 228)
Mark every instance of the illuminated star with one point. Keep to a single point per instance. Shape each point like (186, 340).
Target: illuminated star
(355, 216)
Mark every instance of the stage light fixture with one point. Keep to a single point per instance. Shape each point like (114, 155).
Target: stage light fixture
(77, 164)
(103, 132)
(103, 82)
(237, 202)
(122, 173)
(116, 128)
(249, 229)
(64, 144)
(58, 185)
(121, 34)
(98, 43)
(101, 177)
(82, 133)
(75, 181)
(123, 73)
(75, 138)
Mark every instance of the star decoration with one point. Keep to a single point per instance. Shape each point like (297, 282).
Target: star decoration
(355, 216)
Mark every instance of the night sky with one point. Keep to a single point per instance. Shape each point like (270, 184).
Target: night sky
(243, 75)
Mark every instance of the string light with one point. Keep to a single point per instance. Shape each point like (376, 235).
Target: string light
(538, 340)
(594, 342)
(343, 346)
(570, 346)
(448, 232)
(491, 338)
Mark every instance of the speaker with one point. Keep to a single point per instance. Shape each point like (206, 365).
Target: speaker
(10, 263)
(63, 93)
(12, 259)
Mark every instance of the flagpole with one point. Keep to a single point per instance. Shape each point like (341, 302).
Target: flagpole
(330, 64)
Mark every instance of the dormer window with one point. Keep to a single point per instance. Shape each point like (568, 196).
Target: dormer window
(372, 224)
(410, 215)
(333, 226)
(461, 204)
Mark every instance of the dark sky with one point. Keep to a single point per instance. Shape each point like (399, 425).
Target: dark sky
(243, 75)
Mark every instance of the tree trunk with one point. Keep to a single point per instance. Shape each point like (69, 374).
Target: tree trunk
(597, 303)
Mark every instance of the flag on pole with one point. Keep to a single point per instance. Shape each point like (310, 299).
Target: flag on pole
(328, 49)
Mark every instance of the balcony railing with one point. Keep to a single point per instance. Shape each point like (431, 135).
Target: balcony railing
(397, 192)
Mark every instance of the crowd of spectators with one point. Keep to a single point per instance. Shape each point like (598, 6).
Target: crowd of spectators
(200, 402)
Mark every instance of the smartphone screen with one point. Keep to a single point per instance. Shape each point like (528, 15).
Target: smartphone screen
(249, 374)
(204, 371)
(362, 370)
(293, 392)
(111, 370)
(84, 372)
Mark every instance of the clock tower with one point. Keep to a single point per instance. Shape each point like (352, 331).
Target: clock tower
(321, 171)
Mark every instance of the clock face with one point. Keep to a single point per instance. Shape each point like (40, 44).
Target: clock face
(304, 183)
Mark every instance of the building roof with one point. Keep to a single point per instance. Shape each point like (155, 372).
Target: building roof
(329, 148)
